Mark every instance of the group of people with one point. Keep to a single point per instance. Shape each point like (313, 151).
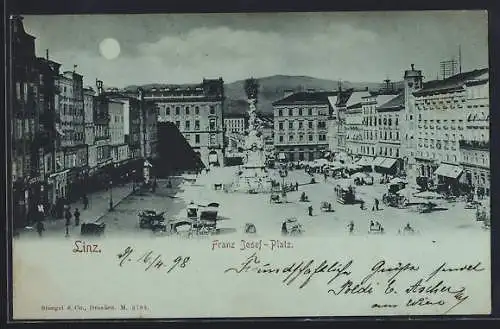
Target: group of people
(67, 214)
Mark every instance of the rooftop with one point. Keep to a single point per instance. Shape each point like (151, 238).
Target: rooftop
(309, 98)
(452, 83)
(394, 103)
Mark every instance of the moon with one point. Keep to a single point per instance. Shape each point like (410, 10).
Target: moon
(109, 48)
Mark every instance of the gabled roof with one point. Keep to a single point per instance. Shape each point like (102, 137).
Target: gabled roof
(312, 98)
(356, 97)
(455, 82)
(397, 102)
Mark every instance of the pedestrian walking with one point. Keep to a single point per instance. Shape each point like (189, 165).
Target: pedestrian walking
(376, 204)
(40, 228)
(351, 226)
(296, 186)
(362, 205)
(67, 216)
(77, 217)
(310, 210)
(325, 175)
(85, 201)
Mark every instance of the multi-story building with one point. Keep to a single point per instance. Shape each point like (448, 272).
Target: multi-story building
(389, 122)
(118, 146)
(370, 129)
(235, 123)
(102, 138)
(413, 81)
(32, 110)
(441, 112)
(300, 125)
(150, 115)
(131, 166)
(267, 129)
(336, 122)
(475, 146)
(70, 108)
(197, 112)
(88, 109)
(354, 128)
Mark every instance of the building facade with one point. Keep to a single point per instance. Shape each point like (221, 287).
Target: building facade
(118, 147)
(441, 112)
(102, 139)
(74, 150)
(235, 123)
(354, 128)
(32, 124)
(475, 146)
(300, 125)
(89, 126)
(389, 123)
(197, 112)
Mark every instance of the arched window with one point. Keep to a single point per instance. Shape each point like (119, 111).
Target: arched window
(390, 121)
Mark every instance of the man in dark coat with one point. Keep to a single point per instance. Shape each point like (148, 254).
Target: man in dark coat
(77, 217)
(67, 216)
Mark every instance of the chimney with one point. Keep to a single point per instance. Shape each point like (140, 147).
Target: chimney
(47, 54)
(99, 86)
(413, 67)
(288, 92)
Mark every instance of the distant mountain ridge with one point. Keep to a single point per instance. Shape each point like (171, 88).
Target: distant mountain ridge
(272, 88)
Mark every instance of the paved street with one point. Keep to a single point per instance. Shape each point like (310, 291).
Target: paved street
(236, 209)
(98, 207)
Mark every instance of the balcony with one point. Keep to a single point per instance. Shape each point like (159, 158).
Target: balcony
(475, 145)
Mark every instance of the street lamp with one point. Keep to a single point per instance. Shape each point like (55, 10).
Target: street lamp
(110, 195)
(133, 180)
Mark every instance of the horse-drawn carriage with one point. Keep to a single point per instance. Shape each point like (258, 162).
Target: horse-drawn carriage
(376, 228)
(92, 228)
(326, 206)
(291, 226)
(150, 219)
(276, 197)
(346, 194)
(427, 207)
(203, 218)
(392, 199)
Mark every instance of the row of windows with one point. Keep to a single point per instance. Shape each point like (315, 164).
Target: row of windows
(187, 124)
(482, 159)
(212, 138)
(372, 121)
(437, 144)
(72, 136)
(310, 124)
(187, 110)
(442, 156)
(291, 138)
(301, 112)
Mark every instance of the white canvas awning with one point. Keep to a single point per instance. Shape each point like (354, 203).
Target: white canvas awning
(378, 161)
(448, 170)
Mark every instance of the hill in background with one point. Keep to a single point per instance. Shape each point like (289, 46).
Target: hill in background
(273, 88)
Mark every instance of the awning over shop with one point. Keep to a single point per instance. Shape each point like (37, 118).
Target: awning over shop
(378, 161)
(364, 161)
(388, 163)
(448, 170)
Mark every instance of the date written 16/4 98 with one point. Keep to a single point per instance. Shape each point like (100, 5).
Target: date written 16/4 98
(152, 260)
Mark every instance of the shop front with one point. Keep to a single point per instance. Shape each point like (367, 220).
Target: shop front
(448, 176)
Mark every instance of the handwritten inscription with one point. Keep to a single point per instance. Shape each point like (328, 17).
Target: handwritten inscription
(401, 281)
(153, 261)
(242, 245)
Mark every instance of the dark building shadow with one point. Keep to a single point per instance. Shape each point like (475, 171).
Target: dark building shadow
(175, 153)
